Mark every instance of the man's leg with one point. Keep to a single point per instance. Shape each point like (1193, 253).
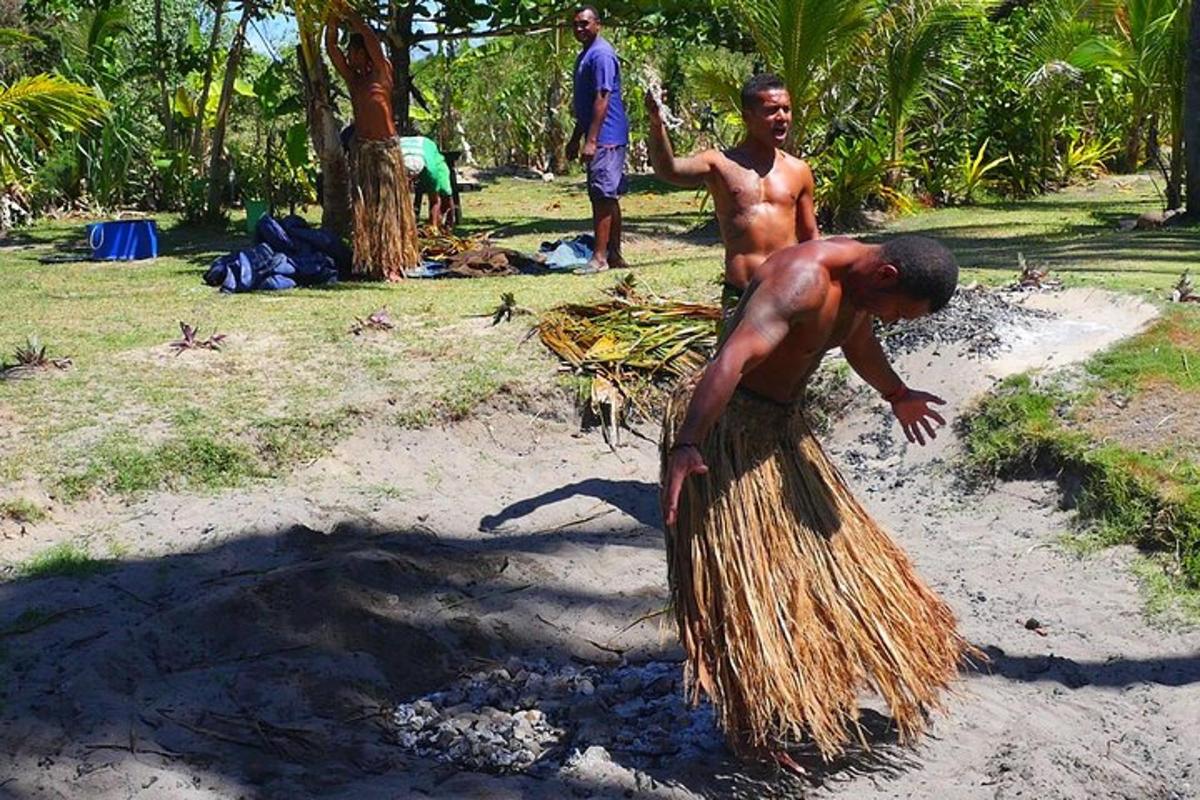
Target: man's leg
(435, 211)
(603, 211)
(615, 259)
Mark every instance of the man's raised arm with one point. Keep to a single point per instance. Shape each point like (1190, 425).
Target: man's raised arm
(335, 52)
(686, 172)
(374, 48)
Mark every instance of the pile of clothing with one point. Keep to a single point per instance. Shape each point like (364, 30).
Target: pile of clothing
(567, 254)
(287, 253)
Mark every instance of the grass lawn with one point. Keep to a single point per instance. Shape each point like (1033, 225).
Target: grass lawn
(129, 415)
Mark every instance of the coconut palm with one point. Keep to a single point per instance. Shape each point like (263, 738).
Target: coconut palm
(913, 35)
(1175, 77)
(1191, 113)
(35, 109)
(802, 41)
(1148, 40)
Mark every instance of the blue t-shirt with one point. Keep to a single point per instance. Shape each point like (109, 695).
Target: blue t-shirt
(597, 69)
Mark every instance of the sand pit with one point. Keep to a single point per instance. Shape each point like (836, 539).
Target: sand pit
(370, 628)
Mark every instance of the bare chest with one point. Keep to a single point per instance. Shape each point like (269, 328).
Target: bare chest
(744, 198)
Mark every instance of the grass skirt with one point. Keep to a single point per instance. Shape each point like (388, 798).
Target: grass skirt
(790, 599)
(385, 225)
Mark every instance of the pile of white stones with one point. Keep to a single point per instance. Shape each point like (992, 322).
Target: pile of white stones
(530, 715)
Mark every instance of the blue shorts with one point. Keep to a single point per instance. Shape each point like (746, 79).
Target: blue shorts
(606, 172)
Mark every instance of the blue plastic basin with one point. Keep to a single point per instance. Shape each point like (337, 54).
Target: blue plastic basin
(123, 240)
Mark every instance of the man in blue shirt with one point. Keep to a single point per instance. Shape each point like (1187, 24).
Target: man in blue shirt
(601, 124)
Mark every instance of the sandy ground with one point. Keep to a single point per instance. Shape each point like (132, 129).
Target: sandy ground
(255, 643)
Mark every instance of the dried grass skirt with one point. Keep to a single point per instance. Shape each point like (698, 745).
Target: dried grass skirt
(385, 224)
(790, 599)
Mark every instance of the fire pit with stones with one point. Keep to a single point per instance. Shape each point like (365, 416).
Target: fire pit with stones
(533, 717)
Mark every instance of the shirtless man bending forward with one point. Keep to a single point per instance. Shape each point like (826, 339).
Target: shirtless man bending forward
(763, 196)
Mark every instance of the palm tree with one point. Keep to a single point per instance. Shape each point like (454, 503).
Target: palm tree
(323, 124)
(1191, 115)
(913, 34)
(1176, 86)
(35, 109)
(1060, 47)
(803, 41)
(1145, 54)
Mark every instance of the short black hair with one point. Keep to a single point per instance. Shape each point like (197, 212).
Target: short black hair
(762, 82)
(357, 40)
(580, 9)
(928, 271)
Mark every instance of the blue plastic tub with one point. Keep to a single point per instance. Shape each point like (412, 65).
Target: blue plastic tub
(123, 240)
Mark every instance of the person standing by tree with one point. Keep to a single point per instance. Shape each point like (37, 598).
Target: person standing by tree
(601, 124)
(762, 195)
(385, 226)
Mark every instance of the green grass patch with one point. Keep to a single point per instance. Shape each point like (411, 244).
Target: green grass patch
(1151, 500)
(21, 509)
(201, 419)
(193, 460)
(1167, 595)
(1168, 352)
(297, 440)
(66, 559)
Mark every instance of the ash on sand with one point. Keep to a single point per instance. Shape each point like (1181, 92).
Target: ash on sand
(535, 717)
(974, 317)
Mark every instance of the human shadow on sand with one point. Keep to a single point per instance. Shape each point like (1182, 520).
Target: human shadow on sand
(1113, 672)
(638, 499)
(269, 665)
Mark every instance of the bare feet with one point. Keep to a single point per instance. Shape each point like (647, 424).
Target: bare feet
(617, 261)
(787, 763)
(593, 266)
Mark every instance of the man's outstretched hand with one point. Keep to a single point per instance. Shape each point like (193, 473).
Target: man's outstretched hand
(682, 463)
(916, 417)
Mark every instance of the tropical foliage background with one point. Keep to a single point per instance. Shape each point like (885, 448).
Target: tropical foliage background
(176, 104)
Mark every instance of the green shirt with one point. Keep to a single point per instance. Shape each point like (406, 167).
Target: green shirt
(435, 177)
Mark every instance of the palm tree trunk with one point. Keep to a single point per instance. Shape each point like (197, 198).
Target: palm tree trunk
(1191, 116)
(400, 41)
(218, 169)
(892, 177)
(213, 41)
(556, 139)
(168, 120)
(324, 130)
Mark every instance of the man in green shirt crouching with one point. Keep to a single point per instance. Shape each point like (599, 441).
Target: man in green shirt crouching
(428, 170)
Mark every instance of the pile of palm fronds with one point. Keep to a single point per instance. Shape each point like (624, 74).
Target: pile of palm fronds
(627, 346)
(437, 245)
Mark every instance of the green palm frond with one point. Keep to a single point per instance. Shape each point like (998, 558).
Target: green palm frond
(801, 40)
(1063, 44)
(38, 107)
(912, 35)
(11, 37)
(717, 77)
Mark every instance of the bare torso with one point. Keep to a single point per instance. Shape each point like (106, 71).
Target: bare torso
(371, 96)
(783, 374)
(757, 207)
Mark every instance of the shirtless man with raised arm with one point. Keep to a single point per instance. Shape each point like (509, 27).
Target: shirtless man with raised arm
(385, 226)
(763, 196)
(790, 599)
